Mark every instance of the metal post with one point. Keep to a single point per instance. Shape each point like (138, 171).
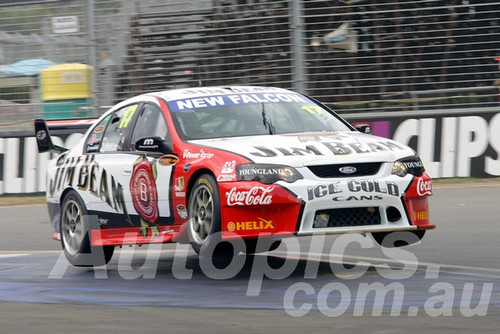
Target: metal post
(92, 56)
(298, 65)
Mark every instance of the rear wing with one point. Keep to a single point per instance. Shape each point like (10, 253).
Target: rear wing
(43, 140)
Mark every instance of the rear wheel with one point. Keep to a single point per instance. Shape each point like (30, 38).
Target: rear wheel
(75, 227)
(398, 239)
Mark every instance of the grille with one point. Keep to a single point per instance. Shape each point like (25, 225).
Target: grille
(347, 217)
(362, 169)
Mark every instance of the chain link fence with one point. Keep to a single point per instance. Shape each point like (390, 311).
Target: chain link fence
(73, 58)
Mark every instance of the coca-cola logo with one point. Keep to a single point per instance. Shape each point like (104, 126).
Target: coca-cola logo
(424, 187)
(254, 196)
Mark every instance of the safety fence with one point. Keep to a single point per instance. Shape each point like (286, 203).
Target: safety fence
(74, 58)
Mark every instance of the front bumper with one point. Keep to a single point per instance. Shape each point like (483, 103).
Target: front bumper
(330, 205)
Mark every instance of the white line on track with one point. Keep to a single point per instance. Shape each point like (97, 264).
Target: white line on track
(373, 260)
(30, 252)
(464, 185)
(21, 205)
(313, 256)
(5, 256)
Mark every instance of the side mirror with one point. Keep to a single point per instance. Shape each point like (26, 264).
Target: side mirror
(153, 144)
(364, 128)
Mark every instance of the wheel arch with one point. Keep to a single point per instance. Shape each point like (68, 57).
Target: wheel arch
(195, 177)
(64, 193)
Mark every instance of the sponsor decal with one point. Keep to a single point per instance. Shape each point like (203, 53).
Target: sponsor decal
(328, 148)
(143, 189)
(413, 164)
(321, 190)
(226, 177)
(93, 139)
(85, 174)
(354, 186)
(168, 160)
(179, 184)
(260, 171)
(357, 198)
(227, 172)
(424, 187)
(102, 221)
(180, 194)
(41, 134)
(368, 186)
(254, 196)
(148, 144)
(94, 143)
(235, 99)
(216, 90)
(187, 154)
(205, 182)
(228, 167)
(260, 224)
(93, 148)
(99, 128)
(181, 211)
(420, 215)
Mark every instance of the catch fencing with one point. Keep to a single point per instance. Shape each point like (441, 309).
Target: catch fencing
(355, 56)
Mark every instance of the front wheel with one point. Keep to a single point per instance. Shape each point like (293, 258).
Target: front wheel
(75, 227)
(204, 213)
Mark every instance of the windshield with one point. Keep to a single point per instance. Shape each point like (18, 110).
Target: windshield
(250, 115)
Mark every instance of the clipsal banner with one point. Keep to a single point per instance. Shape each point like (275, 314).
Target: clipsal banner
(465, 145)
(450, 145)
(22, 168)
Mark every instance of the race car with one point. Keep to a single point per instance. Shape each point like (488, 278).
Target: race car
(233, 161)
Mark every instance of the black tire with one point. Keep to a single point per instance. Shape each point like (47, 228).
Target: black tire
(75, 227)
(405, 238)
(204, 214)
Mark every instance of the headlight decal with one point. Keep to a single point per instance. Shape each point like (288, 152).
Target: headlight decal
(267, 173)
(409, 165)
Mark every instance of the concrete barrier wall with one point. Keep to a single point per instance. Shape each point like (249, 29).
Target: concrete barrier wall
(451, 143)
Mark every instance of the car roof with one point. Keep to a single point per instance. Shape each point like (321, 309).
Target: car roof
(177, 94)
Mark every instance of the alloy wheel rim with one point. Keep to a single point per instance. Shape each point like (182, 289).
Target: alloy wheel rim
(72, 227)
(201, 214)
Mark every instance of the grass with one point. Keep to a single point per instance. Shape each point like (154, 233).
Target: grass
(21, 200)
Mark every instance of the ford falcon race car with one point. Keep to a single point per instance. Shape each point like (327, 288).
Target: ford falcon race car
(237, 162)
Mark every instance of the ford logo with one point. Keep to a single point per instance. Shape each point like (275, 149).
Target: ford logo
(348, 170)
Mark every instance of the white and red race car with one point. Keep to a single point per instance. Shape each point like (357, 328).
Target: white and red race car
(244, 161)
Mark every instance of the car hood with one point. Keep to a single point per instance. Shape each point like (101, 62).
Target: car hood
(307, 149)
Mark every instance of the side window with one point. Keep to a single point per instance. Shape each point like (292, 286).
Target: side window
(95, 137)
(117, 129)
(150, 123)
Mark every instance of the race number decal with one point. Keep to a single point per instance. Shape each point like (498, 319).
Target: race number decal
(143, 189)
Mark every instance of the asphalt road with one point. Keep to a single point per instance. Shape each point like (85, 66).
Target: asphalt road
(454, 271)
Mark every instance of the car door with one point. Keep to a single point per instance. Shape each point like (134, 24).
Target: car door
(130, 186)
(109, 164)
(151, 172)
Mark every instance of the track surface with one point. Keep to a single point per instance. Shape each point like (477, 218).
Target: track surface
(457, 264)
